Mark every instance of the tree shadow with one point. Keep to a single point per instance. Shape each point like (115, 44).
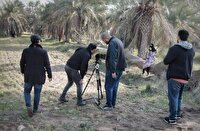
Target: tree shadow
(130, 78)
(8, 67)
(135, 80)
(58, 68)
(12, 48)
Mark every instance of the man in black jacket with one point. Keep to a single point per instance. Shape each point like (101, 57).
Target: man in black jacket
(78, 62)
(115, 65)
(34, 63)
(180, 61)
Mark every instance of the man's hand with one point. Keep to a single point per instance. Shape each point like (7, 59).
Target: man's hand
(81, 81)
(50, 79)
(114, 75)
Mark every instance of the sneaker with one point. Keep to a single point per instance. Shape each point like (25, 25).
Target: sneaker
(179, 117)
(172, 122)
(30, 111)
(37, 111)
(62, 100)
(107, 108)
(81, 103)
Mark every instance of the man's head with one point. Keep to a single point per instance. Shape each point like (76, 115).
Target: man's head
(35, 39)
(105, 37)
(183, 35)
(92, 47)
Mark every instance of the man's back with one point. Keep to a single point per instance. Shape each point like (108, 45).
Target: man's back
(180, 60)
(79, 60)
(34, 63)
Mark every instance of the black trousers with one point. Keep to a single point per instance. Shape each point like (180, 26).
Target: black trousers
(73, 77)
(147, 70)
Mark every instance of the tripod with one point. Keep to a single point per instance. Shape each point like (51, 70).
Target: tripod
(99, 88)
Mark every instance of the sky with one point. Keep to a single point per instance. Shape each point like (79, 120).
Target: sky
(26, 1)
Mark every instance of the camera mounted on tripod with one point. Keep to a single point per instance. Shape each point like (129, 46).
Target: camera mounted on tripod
(99, 56)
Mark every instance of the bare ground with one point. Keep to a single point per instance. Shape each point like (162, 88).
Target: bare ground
(137, 109)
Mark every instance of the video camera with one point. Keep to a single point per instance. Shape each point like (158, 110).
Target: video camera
(99, 56)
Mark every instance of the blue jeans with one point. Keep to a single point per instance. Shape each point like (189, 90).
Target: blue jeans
(175, 90)
(27, 95)
(111, 87)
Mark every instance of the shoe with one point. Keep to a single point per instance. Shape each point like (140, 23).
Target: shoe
(167, 120)
(107, 108)
(62, 100)
(81, 103)
(179, 117)
(37, 111)
(143, 71)
(30, 111)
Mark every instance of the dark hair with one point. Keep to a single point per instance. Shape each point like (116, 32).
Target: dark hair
(92, 46)
(183, 35)
(152, 48)
(35, 38)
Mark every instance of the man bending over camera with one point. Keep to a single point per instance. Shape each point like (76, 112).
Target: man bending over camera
(76, 69)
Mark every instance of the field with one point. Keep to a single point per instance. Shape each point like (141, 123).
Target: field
(142, 101)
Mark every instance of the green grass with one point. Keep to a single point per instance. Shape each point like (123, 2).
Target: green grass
(85, 127)
(71, 111)
(132, 79)
(45, 128)
(4, 93)
(190, 98)
(63, 48)
(10, 104)
(67, 127)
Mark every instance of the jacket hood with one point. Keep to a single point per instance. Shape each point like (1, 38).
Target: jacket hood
(185, 45)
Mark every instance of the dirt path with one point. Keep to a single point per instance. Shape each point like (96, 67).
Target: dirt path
(132, 113)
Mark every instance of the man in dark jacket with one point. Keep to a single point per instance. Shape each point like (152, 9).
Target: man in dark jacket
(180, 61)
(34, 63)
(115, 65)
(78, 62)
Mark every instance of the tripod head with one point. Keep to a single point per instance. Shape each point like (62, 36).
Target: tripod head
(96, 65)
(98, 57)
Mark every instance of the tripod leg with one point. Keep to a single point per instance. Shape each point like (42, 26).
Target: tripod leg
(88, 82)
(99, 89)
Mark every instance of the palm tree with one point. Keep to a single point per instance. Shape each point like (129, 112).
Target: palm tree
(184, 15)
(73, 19)
(155, 22)
(33, 14)
(144, 24)
(13, 18)
(181, 11)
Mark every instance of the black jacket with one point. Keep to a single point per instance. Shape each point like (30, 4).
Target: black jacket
(180, 61)
(79, 60)
(34, 63)
(115, 58)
